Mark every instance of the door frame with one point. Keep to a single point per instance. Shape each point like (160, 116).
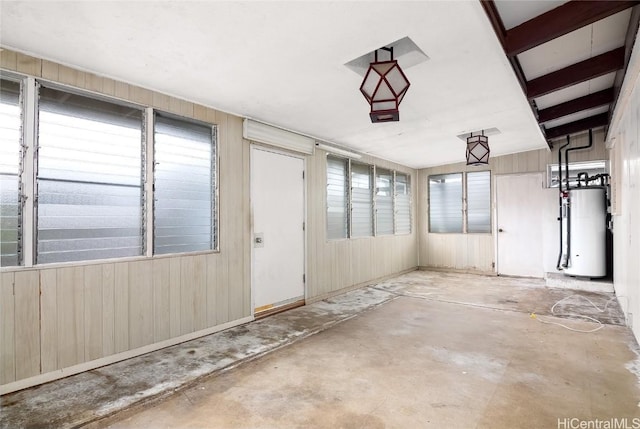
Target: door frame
(292, 154)
(495, 216)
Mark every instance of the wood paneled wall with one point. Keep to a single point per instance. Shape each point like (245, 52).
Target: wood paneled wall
(63, 318)
(60, 316)
(476, 252)
(337, 265)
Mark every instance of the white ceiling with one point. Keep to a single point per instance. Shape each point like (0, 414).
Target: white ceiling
(515, 12)
(283, 63)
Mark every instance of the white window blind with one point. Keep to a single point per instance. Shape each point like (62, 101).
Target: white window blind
(445, 203)
(479, 201)
(403, 204)
(384, 202)
(89, 178)
(361, 200)
(10, 166)
(337, 197)
(185, 183)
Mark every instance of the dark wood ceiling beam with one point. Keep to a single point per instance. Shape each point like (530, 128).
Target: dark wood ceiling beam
(590, 101)
(576, 73)
(577, 126)
(559, 21)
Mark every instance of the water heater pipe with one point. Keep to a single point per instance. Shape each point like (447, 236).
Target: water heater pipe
(560, 198)
(566, 160)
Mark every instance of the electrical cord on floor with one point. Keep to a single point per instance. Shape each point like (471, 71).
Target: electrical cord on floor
(592, 319)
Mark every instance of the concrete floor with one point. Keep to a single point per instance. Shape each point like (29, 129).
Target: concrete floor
(435, 350)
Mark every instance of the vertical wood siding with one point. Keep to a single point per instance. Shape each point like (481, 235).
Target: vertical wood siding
(58, 316)
(335, 265)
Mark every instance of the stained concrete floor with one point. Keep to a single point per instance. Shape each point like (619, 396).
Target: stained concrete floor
(433, 350)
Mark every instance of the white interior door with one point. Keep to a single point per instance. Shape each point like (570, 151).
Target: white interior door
(277, 198)
(519, 211)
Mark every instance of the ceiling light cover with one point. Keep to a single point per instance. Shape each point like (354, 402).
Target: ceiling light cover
(384, 86)
(478, 150)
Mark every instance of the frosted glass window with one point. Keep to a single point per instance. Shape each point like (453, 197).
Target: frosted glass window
(10, 162)
(445, 203)
(403, 204)
(479, 201)
(337, 197)
(185, 180)
(89, 178)
(361, 200)
(384, 202)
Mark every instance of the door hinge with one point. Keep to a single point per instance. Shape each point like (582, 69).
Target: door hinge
(304, 278)
(303, 226)
(303, 174)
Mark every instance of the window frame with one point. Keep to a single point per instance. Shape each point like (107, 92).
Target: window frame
(29, 164)
(395, 199)
(603, 167)
(462, 198)
(39, 83)
(349, 200)
(20, 177)
(372, 210)
(215, 177)
(464, 203)
(392, 185)
(347, 206)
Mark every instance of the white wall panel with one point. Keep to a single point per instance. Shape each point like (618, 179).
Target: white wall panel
(624, 135)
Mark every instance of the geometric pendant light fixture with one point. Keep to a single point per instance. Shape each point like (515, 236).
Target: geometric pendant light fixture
(478, 149)
(384, 86)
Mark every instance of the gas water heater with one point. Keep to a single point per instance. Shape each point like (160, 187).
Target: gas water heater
(586, 228)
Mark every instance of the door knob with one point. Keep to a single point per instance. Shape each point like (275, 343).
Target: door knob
(258, 239)
(500, 230)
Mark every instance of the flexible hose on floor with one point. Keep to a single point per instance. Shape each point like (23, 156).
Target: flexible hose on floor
(589, 318)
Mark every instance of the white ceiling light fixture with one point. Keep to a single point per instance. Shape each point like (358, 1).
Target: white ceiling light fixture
(478, 149)
(338, 151)
(384, 86)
